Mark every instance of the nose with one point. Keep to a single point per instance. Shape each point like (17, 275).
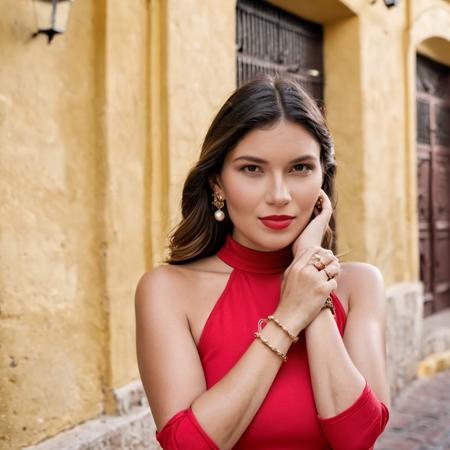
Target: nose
(278, 192)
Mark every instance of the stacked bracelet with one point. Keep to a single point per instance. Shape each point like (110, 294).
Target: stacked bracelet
(265, 342)
(293, 338)
(329, 304)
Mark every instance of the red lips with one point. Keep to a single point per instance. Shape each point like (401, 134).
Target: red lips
(277, 222)
(278, 217)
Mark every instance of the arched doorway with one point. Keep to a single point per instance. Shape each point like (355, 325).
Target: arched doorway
(433, 170)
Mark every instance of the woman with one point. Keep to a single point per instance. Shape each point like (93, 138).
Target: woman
(240, 338)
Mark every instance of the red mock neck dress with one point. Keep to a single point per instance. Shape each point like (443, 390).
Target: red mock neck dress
(287, 419)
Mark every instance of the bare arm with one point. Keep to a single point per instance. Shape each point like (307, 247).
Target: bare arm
(340, 365)
(171, 369)
(349, 375)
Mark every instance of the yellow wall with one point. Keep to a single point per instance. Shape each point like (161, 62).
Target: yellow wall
(382, 50)
(52, 327)
(125, 124)
(97, 133)
(74, 140)
(201, 75)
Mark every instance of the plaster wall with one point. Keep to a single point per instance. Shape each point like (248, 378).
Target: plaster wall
(201, 75)
(388, 240)
(419, 7)
(73, 139)
(52, 332)
(124, 83)
(344, 114)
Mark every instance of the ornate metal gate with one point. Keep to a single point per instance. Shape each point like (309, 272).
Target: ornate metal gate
(270, 40)
(433, 160)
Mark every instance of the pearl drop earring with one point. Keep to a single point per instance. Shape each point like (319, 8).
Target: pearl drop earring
(218, 202)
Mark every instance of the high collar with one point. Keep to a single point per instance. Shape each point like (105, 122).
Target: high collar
(256, 261)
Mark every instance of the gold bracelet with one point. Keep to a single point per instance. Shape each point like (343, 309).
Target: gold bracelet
(265, 342)
(329, 304)
(274, 319)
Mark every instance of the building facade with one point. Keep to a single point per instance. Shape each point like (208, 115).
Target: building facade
(97, 133)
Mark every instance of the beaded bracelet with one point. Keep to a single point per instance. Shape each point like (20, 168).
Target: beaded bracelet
(293, 338)
(266, 342)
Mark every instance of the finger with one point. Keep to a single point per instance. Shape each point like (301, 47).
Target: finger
(326, 202)
(322, 258)
(305, 256)
(327, 257)
(331, 284)
(331, 271)
(325, 199)
(333, 268)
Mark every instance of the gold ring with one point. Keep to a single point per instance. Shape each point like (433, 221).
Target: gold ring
(319, 265)
(328, 275)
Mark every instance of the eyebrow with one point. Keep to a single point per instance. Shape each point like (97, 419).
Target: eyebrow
(263, 161)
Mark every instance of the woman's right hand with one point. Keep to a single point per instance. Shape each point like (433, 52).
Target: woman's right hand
(305, 288)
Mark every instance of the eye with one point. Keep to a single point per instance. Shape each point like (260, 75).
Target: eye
(250, 169)
(303, 168)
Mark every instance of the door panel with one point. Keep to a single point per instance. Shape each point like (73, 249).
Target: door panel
(433, 171)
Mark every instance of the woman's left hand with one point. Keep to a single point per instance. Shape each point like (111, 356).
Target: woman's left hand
(313, 233)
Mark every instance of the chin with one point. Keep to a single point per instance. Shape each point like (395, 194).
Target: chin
(267, 240)
(273, 242)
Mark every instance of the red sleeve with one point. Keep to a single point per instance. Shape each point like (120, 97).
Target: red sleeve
(358, 426)
(183, 432)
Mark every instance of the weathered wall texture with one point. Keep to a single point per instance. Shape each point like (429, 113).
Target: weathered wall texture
(201, 75)
(404, 326)
(52, 328)
(124, 79)
(97, 133)
(386, 237)
(73, 130)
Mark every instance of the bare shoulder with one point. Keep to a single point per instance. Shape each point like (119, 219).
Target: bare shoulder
(163, 299)
(354, 269)
(165, 283)
(158, 285)
(358, 280)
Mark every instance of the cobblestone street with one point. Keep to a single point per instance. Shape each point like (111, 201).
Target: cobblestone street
(420, 418)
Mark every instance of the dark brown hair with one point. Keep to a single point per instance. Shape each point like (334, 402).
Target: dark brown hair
(257, 104)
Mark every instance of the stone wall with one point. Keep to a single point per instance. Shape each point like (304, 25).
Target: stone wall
(404, 323)
(132, 428)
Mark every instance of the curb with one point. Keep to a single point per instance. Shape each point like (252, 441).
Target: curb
(433, 364)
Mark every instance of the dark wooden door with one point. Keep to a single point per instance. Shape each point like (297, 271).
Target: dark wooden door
(433, 169)
(270, 40)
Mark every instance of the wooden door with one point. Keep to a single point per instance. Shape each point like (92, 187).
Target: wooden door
(433, 169)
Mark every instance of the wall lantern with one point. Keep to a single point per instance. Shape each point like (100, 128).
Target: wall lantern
(51, 17)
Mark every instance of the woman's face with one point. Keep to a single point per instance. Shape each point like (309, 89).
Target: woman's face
(271, 172)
